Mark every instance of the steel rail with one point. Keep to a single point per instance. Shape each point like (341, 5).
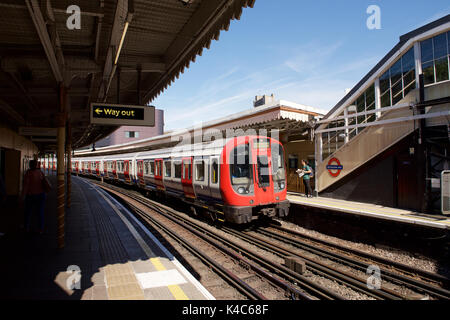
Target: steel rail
(275, 268)
(284, 285)
(347, 279)
(426, 275)
(391, 276)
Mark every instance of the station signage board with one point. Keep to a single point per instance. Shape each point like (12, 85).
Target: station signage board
(334, 167)
(445, 192)
(122, 115)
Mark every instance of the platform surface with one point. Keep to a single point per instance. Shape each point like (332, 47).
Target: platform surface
(371, 210)
(116, 256)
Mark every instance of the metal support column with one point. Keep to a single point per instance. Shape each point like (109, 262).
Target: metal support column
(69, 164)
(61, 120)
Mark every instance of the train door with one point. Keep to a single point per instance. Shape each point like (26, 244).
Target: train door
(201, 177)
(186, 177)
(261, 159)
(214, 176)
(126, 170)
(140, 172)
(97, 168)
(114, 169)
(105, 168)
(158, 174)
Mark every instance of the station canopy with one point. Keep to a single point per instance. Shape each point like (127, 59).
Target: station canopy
(145, 44)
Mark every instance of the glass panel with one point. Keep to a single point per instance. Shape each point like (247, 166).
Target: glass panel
(396, 72)
(386, 99)
(177, 169)
(408, 62)
(214, 172)
(361, 119)
(263, 171)
(352, 134)
(361, 104)
(200, 171)
(426, 48)
(441, 66)
(384, 82)
(240, 167)
(428, 72)
(409, 87)
(277, 162)
(371, 118)
(152, 167)
(408, 78)
(440, 46)
(448, 42)
(370, 97)
(397, 93)
(168, 167)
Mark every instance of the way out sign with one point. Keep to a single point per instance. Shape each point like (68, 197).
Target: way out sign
(122, 115)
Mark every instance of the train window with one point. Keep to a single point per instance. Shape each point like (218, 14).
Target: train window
(177, 169)
(146, 167)
(278, 172)
(168, 168)
(263, 171)
(214, 171)
(240, 168)
(200, 171)
(152, 167)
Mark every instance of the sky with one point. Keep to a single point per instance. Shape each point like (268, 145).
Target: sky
(307, 52)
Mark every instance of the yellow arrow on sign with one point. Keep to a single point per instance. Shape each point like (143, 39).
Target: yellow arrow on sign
(98, 111)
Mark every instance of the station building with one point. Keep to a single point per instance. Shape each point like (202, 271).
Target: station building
(290, 122)
(387, 141)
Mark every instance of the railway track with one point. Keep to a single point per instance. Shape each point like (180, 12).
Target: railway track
(176, 228)
(421, 281)
(293, 284)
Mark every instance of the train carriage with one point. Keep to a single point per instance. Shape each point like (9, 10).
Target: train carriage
(236, 179)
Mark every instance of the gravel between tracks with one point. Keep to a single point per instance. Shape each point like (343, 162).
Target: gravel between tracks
(414, 260)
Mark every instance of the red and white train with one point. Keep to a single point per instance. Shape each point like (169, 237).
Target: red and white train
(236, 179)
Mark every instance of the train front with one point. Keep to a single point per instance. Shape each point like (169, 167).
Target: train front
(253, 179)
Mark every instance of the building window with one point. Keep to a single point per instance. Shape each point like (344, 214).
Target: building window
(131, 134)
(399, 80)
(435, 55)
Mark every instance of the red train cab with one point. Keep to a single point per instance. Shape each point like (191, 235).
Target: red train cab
(253, 178)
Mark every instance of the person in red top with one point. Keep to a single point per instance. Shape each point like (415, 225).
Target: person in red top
(33, 192)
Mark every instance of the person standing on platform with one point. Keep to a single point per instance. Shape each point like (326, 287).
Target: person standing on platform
(35, 185)
(307, 171)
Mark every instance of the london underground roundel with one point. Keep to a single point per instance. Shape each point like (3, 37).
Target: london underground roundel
(334, 167)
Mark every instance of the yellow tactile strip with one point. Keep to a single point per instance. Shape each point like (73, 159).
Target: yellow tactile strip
(176, 291)
(121, 282)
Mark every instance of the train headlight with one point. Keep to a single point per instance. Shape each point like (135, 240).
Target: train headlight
(241, 190)
(282, 185)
